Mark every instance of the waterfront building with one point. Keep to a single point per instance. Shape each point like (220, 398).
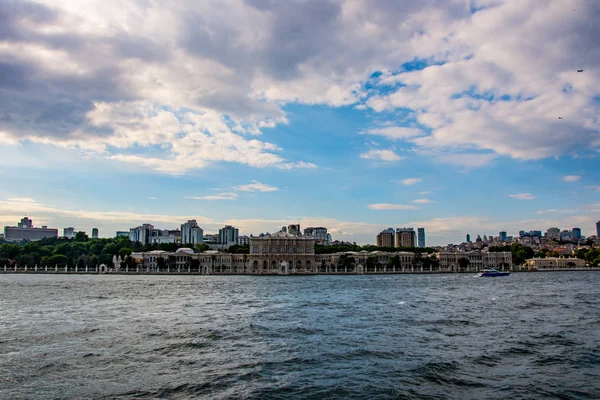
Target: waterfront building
(228, 236)
(421, 237)
(475, 261)
(405, 237)
(282, 252)
(386, 238)
(69, 233)
(191, 233)
(553, 233)
(502, 236)
(554, 263)
(576, 233)
(94, 233)
(26, 231)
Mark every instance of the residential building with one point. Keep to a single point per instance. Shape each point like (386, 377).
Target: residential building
(243, 240)
(421, 237)
(122, 234)
(94, 233)
(147, 234)
(405, 237)
(228, 235)
(553, 233)
(69, 233)
(191, 233)
(294, 229)
(318, 233)
(386, 238)
(566, 235)
(211, 238)
(502, 236)
(576, 233)
(26, 231)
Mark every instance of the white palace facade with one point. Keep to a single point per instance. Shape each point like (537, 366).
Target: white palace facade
(288, 253)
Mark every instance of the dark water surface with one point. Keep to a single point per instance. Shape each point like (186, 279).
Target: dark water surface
(527, 336)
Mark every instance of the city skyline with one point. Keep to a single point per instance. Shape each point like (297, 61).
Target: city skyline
(466, 117)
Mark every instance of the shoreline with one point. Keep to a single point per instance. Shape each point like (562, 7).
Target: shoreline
(276, 274)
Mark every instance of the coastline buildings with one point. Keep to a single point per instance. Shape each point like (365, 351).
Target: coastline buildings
(26, 231)
(421, 237)
(191, 233)
(475, 261)
(554, 263)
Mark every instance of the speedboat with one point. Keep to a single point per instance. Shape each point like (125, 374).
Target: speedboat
(493, 272)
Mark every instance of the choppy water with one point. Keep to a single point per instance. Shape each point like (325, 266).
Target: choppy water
(533, 335)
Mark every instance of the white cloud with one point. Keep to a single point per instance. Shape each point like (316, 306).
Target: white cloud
(552, 211)
(522, 196)
(395, 132)
(220, 196)
(423, 201)
(383, 155)
(411, 181)
(152, 198)
(256, 186)
(21, 200)
(595, 187)
(391, 207)
(571, 178)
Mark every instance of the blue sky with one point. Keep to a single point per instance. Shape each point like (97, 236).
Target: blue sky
(346, 114)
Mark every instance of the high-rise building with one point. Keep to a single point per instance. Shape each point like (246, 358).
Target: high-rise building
(69, 233)
(566, 235)
(598, 229)
(468, 238)
(421, 237)
(294, 229)
(386, 238)
(576, 233)
(228, 235)
(191, 233)
(553, 233)
(405, 237)
(94, 233)
(26, 231)
(502, 236)
(122, 234)
(318, 233)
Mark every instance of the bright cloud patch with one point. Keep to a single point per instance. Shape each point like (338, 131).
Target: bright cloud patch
(256, 186)
(423, 201)
(383, 155)
(220, 196)
(571, 178)
(411, 181)
(522, 196)
(391, 207)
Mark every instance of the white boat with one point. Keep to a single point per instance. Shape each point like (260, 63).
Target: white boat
(493, 272)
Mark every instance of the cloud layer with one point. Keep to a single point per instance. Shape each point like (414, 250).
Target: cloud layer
(98, 76)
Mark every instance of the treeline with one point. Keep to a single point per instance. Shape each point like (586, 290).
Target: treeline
(521, 253)
(322, 249)
(80, 251)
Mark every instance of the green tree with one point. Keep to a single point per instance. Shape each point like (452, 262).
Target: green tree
(463, 264)
(81, 237)
(10, 251)
(371, 263)
(125, 251)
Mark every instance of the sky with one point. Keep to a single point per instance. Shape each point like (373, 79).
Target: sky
(457, 116)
